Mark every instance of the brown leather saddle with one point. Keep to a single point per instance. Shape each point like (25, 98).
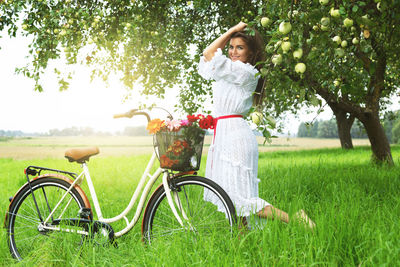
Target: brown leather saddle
(81, 155)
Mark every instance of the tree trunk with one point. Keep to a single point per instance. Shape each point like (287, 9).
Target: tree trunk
(379, 143)
(344, 124)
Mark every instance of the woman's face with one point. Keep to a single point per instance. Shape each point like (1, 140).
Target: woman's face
(238, 50)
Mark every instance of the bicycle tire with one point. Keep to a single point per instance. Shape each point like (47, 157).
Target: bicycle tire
(203, 216)
(23, 234)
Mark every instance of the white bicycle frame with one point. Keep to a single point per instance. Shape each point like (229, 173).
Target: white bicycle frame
(172, 201)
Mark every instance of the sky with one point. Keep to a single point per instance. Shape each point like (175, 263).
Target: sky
(84, 104)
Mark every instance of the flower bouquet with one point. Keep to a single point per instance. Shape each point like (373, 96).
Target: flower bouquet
(179, 143)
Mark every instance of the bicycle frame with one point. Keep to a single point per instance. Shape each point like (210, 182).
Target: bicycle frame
(143, 188)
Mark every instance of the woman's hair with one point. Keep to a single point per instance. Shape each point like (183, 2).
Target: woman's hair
(256, 54)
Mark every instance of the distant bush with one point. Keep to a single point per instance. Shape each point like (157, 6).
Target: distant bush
(328, 129)
(396, 132)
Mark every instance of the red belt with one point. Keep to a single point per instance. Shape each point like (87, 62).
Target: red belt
(215, 121)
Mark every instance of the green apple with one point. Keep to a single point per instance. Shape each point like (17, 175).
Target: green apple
(264, 71)
(294, 13)
(24, 26)
(334, 12)
(285, 27)
(347, 22)
(63, 32)
(337, 82)
(265, 21)
(300, 67)
(256, 117)
(56, 31)
(344, 43)
(339, 52)
(378, 6)
(366, 19)
(298, 53)
(269, 49)
(324, 28)
(278, 44)
(277, 59)
(315, 28)
(324, 2)
(355, 40)
(337, 39)
(325, 21)
(70, 21)
(286, 46)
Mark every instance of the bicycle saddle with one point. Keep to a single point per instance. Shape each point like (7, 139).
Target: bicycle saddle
(81, 155)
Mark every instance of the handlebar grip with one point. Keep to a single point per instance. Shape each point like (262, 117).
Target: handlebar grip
(117, 116)
(128, 114)
(132, 113)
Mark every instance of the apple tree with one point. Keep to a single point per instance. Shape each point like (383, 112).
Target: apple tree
(342, 51)
(157, 44)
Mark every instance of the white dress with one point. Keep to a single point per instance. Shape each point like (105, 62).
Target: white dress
(232, 160)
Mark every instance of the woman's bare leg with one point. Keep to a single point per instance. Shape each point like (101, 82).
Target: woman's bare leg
(270, 212)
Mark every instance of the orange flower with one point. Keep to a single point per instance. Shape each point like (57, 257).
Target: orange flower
(166, 162)
(177, 150)
(154, 126)
(185, 144)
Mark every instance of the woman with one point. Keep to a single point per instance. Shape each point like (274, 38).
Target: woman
(233, 157)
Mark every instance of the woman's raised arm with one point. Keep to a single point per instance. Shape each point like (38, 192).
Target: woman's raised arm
(221, 41)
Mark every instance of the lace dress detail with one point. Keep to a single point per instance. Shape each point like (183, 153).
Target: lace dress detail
(232, 160)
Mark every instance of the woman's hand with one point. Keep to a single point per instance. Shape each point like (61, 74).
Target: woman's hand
(239, 27)
(221, 41)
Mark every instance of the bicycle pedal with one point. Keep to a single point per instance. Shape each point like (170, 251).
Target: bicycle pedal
(84, 213)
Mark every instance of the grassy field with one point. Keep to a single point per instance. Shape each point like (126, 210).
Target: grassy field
(355, 205)
(54, 147)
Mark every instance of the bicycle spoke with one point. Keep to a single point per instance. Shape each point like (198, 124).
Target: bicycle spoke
(32, 219)
(201, 216)
(25, 233)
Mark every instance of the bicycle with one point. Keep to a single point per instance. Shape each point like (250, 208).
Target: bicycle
(53, 204)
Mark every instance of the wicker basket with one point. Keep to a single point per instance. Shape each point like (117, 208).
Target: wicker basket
(179, 151)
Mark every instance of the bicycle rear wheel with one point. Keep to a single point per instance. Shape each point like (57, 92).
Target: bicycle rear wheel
(203, 217)
(26, 233)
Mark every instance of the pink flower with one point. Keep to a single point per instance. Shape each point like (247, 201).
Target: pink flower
(185, 122)
(173, 125)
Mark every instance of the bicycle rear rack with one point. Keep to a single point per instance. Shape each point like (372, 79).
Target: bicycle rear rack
(36, 170)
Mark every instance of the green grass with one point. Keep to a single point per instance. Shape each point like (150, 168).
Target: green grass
(355, 205)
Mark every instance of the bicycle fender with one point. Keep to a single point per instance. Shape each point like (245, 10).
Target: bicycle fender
(150, 199)
(48, 175)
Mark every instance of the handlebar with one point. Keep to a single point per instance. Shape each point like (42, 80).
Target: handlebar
(134, 112)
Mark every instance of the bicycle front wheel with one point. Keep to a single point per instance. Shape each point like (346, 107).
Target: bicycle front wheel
(26, 232)
(199, 216)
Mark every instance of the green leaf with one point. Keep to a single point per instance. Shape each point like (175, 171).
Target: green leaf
(355, 8)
